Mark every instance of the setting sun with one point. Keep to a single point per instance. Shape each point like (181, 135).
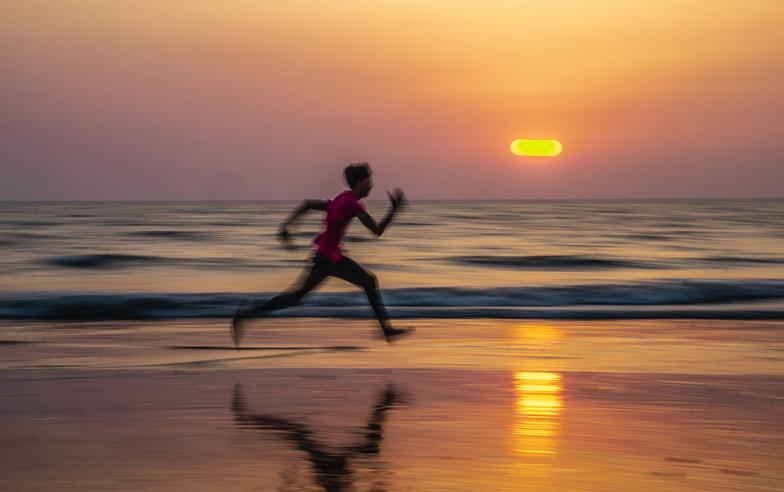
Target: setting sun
(536, 148)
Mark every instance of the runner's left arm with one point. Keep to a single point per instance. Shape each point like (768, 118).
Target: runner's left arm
(283, 233)
(396, 200)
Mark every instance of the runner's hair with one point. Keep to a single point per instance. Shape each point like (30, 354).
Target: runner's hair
(356, 172)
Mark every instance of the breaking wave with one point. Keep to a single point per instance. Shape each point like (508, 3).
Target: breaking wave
(660, 299)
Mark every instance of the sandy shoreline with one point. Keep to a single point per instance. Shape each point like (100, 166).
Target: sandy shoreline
(523, 406)
(626, 346)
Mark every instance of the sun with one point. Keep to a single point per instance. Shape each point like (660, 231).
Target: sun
(536, 148)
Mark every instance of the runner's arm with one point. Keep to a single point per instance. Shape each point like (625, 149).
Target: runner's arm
(283, 233)
(397, 200)
(370, 222)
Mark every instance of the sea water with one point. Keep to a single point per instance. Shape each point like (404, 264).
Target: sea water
(608, 259)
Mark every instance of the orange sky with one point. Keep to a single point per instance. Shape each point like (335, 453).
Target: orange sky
(263, 100)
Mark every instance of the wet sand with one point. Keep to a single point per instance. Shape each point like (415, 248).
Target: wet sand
(464, 405)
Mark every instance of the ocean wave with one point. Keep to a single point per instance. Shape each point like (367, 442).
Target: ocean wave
(232, 223)
(30, 223)
(646, 237)
(735, 260)
(112, 260)
(661, 299)
(119, 223)
(180, 235)
(550, 262)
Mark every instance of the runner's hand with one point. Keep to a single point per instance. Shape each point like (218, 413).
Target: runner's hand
(397, 198)
(284, 237)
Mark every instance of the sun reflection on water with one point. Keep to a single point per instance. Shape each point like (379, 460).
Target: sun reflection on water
(538, 332)
(538, 406)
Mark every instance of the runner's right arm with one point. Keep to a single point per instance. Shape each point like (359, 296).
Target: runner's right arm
(283, 233)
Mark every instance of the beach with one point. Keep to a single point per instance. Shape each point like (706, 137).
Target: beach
(560, 345)
(463, 404)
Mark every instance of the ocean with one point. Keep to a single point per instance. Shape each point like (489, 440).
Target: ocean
(603, 259)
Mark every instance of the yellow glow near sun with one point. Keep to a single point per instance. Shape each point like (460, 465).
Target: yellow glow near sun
(536, 148)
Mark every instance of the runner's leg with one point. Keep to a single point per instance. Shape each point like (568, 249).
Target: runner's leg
(350, 271)
(317, 273)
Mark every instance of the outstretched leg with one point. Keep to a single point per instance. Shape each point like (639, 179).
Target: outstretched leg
(350, 271)
(317, 273)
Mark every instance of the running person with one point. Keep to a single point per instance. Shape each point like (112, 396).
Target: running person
(328, 260)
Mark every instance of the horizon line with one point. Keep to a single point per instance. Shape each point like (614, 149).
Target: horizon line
(280, 200)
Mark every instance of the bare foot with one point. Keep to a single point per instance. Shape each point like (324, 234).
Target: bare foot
(395, 334)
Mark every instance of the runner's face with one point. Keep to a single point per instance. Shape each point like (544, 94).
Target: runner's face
(365, 187)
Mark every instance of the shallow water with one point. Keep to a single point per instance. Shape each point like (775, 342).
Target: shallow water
(323, 404)
(427, 429)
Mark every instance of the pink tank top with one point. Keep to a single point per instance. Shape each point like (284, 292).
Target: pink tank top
(340, 211)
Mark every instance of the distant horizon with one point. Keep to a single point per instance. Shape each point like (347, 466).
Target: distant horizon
(381, 200)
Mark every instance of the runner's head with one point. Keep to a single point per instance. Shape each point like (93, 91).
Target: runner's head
(359, 178)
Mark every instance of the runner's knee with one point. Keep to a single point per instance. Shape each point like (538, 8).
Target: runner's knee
(370, 282)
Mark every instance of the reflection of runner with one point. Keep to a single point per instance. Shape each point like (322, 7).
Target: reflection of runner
(328, 259)
(333, 470)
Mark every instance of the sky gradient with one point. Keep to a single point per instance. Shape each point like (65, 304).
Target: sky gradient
(253, 100)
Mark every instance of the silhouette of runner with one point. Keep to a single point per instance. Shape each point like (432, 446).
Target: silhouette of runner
(333, 470)
(328, 260)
